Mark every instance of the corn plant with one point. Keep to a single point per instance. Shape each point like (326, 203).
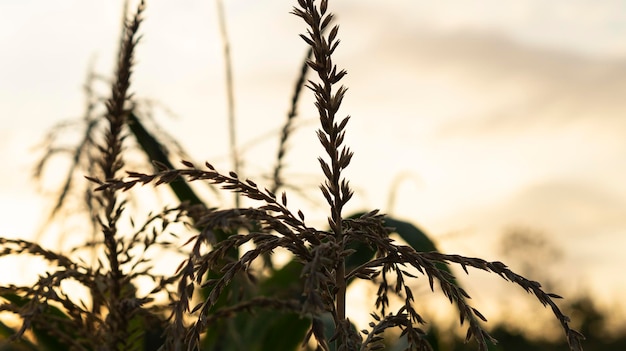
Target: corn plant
(226, 294)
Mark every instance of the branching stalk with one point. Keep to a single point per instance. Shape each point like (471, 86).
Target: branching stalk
(110, 164)
(331, 135)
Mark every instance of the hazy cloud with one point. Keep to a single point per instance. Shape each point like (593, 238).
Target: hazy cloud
(514, 87)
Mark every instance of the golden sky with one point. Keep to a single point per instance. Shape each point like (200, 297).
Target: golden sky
(495, 115)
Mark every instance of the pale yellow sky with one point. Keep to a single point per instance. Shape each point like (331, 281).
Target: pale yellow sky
(503, 114)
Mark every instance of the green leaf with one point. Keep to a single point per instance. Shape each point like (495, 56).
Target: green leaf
(411, 234)
(146, 332)
(6, 331)
(19, 345)
(284, 282)
(362, 254)
(156, 152)
(283, 332)
(43, 339)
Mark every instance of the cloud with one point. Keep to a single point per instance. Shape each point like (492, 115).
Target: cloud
(546, 89)
(514, 86)
(577, 209)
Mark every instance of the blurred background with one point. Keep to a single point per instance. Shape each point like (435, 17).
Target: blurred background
(496, 127)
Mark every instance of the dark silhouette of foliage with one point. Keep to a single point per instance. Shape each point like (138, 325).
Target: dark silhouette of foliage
(221, 297)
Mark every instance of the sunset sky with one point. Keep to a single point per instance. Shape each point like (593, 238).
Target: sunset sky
(482, 116)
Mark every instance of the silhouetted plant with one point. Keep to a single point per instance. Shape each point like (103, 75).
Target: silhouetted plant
(218, 280)
(322, 253)
(116, 317)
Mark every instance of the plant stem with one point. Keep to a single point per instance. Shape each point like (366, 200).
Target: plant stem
(110, 164)
(230, 96)
(331, 135)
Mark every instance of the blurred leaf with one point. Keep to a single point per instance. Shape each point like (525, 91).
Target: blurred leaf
(44, 340)
(416, 238)
(286, 333)
(284, 282)
(5, 331)
(271, 330)
(146, 333)
(222, 334)
(155, 152)
(19, 345)
(260, 329)
(362, 254)
(411, 234)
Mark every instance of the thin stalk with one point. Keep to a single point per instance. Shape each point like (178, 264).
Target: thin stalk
(286, 131)
(230, 96)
